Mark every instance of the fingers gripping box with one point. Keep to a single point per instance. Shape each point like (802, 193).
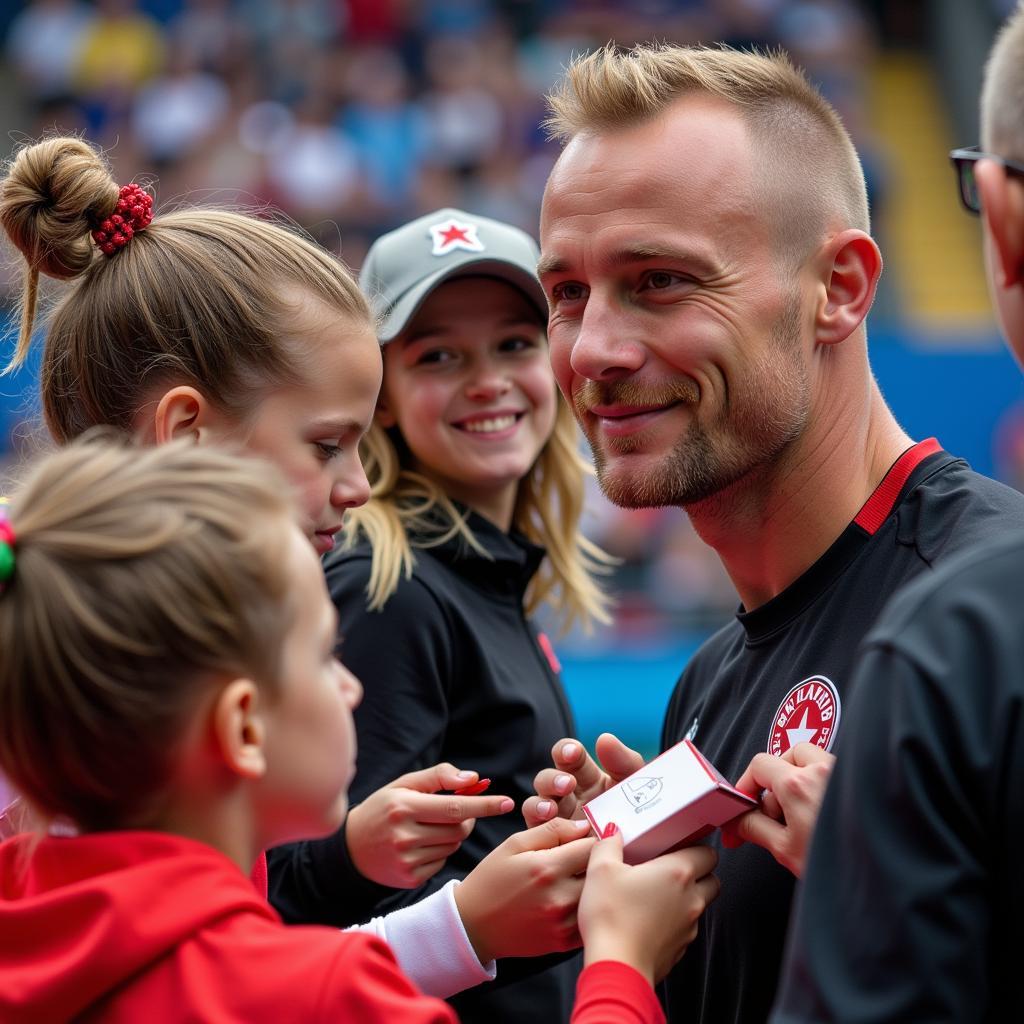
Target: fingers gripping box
(678, 797)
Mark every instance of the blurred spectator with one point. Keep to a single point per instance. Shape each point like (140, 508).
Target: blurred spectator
(120, 49)
(210, 33)
(386, 128)
(44, 44)
(455, 17)
(177, 111)
(313, 170)
(464, 121)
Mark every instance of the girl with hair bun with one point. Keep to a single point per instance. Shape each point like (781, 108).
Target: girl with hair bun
(220, 328)
(472, 526)
(168, 686)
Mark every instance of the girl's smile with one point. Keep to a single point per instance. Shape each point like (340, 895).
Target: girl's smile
(470, 389)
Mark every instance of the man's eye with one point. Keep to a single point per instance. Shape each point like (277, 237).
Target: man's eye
(569, 291)
(658, 279)
(327, 451)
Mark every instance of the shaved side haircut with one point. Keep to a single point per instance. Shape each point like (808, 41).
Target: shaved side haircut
(809, 175)
(1002, 97)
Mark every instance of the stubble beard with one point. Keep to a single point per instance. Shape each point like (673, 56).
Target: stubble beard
(762, 417)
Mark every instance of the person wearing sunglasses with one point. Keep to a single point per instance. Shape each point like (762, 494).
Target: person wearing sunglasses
(912, 902)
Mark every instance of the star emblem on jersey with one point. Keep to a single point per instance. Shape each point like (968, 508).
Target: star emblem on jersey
(453, 234)
(809, 713)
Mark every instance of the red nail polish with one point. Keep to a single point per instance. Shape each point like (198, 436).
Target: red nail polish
(474, 788)
(611, 829)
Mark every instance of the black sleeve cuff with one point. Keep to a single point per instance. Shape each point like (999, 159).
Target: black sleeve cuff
(315, 882)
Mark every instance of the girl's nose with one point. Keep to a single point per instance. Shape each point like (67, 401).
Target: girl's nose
(352, 489)
(487, 384)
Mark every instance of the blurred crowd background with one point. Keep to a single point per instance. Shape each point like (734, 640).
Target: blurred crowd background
(355, 115)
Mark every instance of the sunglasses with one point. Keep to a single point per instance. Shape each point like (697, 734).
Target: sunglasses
(964, 160)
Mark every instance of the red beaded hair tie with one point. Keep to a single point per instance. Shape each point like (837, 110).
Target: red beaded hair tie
(133, 213)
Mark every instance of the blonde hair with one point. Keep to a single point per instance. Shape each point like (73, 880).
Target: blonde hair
(810, 173)
(199, 297)
(548, 507)
(1002, 95)
(140, 575)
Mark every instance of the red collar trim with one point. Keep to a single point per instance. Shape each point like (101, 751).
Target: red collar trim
(876, 509)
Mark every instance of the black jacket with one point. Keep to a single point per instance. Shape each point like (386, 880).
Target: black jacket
(912, 905)
(453, 670)
(782, 673)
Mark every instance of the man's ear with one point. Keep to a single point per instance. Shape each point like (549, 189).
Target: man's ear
(239, 728)
(183, 411)
(850, 268)
(1002, 208)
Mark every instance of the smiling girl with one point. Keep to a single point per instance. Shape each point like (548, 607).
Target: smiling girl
(472, 525)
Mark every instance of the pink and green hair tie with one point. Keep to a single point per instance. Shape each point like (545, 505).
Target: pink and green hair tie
(6, 553)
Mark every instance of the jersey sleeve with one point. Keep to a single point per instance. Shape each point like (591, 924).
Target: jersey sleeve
(892, 916)
(609, 991)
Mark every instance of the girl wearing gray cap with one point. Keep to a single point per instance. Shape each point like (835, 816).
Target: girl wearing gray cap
(472, 524)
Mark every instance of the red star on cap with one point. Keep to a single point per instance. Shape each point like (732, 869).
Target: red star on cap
(453, 234)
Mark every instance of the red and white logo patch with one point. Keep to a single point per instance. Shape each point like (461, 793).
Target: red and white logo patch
(454, 234)
(809, 713)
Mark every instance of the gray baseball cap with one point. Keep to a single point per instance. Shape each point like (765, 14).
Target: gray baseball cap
(404, 266)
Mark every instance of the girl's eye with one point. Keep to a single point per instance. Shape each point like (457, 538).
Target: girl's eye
(327, 451)
(434, 357)
(517, 344)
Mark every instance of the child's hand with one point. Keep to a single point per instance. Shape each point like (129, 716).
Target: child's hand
(644, 915)
(403, 833)
(794, 786)
(520, 900)
(577, 778)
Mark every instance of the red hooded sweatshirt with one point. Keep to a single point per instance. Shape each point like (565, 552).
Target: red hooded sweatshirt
(145, 926)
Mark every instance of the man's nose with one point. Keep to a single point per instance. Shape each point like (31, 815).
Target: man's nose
(605, 347)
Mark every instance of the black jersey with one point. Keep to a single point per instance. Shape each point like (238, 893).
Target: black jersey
(780, 674)
(452, 670)
(912, 905)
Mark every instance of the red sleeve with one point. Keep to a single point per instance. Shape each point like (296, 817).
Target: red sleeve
(610, 992)
(259, 875)
(367, 985)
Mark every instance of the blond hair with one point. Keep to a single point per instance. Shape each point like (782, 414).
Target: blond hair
(140, 576)
(810, 174)
(549, 503)
(1002, 95)
(199, 297)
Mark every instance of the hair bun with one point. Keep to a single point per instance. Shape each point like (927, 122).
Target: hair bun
(52, 193)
